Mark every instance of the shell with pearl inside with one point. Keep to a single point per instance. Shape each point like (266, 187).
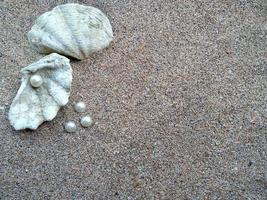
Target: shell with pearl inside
(45, 87)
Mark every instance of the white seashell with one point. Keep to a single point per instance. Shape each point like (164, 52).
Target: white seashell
(72, 30)
(34, 105)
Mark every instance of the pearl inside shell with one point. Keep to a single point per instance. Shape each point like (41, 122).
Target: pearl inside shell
(86, 121)
(70, 127)
(36, 80)
(80, 107)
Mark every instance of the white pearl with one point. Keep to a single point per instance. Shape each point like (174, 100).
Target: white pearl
(70, 127)
(86, 121)
(36, 80)
(80, 107)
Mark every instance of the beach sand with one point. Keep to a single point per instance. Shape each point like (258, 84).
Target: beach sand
(178, 101)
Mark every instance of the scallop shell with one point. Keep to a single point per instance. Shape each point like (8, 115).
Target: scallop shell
(34, 105)
(72, 30)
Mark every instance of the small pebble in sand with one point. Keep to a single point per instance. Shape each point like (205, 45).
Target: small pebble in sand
(80, 107)
(36, 80)
(70, 127)
(86, 121)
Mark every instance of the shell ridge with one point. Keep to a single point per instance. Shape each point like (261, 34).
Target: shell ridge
(33, 68)
(22, 88)
(61, 41)
(55, 96)
(54, 79)
(58, 83)
(40, 103)
(41, 43)
(20, 116)
(72, 30)
(48, 91)
(36, 115)
(60, 44)
(82, 45)
(62, 87)
(61, 79)
(43, 103)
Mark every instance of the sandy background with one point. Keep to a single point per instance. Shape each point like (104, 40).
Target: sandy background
(177, 100)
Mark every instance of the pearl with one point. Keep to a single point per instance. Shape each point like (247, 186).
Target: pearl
(80, 107)
(36, 80)
(86, 121)
(70, 127)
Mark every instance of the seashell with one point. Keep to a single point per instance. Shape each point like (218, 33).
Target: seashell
(45, 87)
(72, 30)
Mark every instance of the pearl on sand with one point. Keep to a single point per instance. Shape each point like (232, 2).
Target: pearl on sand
(86, 121)
(80, 107)
(70, 127)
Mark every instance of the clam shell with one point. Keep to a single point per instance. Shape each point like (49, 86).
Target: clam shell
(34, 105)
(72, 30)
